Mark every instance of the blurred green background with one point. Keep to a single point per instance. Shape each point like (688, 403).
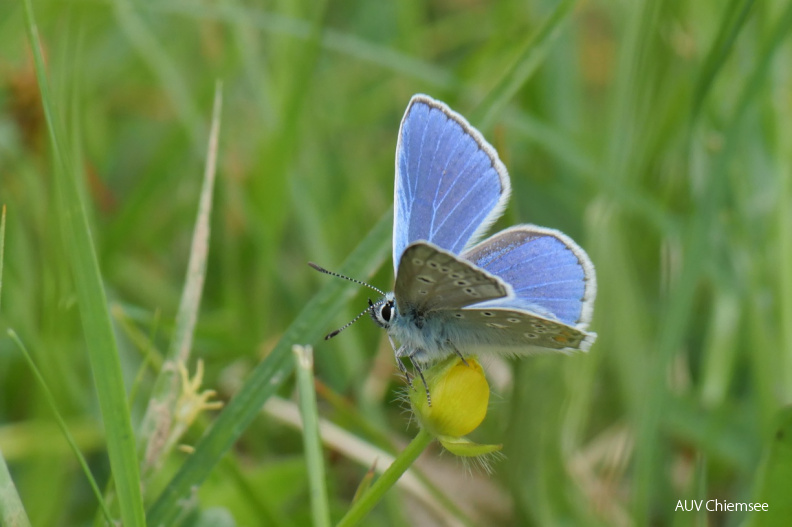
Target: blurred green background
(658, 135)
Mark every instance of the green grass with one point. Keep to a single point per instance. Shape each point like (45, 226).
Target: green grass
(656, 134)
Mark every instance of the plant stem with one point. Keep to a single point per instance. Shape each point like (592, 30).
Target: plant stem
(311, 441)
(399, 466)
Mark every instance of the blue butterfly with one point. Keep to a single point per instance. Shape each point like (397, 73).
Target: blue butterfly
(524, 289)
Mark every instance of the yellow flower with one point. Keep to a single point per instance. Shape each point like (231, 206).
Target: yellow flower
(191, 402)
(459, 397)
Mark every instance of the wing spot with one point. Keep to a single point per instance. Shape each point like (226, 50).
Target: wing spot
(462, 283)
(423, 292)
(538, 325)
(426, 279)
(513, 320)
(433, 264)
(444, 269)
(459, 315)
(531, 335)
(471, 292)
(418, 261)
(487, 314)
(456, 276)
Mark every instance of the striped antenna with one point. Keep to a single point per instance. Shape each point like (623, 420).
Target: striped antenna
(338, 275)
(372, 305)
(342, 328)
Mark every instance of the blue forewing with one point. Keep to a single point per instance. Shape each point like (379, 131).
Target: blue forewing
(450, 185)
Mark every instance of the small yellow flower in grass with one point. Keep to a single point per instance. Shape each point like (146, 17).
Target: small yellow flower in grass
(192, 402)
(460, 395)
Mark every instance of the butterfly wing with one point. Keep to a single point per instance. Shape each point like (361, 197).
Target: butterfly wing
(430, 279)
(551, 284)
(551, 276)
(450, 184)
(510, 331)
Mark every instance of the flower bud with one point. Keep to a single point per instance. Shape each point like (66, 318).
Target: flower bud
(459, 398)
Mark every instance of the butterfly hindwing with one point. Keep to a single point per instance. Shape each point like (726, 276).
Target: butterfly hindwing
(511, 331)
(549, 273)
(430, 278)
(450, 185)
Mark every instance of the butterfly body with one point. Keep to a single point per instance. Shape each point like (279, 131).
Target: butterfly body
(524, 289)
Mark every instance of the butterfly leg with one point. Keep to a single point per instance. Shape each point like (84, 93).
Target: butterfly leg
(459, 353)
(402, 367)
(417, 367)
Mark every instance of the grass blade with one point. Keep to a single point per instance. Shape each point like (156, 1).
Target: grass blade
(167, 386)
(303, 357)
(271, 373)
(534, 52)
(2, 250)
(775, 476)
(734, 19)
(12, 512)
(158, 59)
(50, 399)
(100, 339)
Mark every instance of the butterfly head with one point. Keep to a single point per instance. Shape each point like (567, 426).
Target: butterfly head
(383, 312)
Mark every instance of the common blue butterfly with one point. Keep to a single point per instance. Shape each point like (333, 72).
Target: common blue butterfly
(522, 290)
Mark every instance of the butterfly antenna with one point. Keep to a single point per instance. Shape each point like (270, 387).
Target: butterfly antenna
(338, 275)
(342, 328)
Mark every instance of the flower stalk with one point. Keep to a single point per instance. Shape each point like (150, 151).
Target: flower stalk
(370, 498)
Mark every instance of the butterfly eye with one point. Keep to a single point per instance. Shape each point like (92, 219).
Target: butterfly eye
(383, 312)
(386, 312)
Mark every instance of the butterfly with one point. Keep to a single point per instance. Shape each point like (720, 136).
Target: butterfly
(524, 289)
